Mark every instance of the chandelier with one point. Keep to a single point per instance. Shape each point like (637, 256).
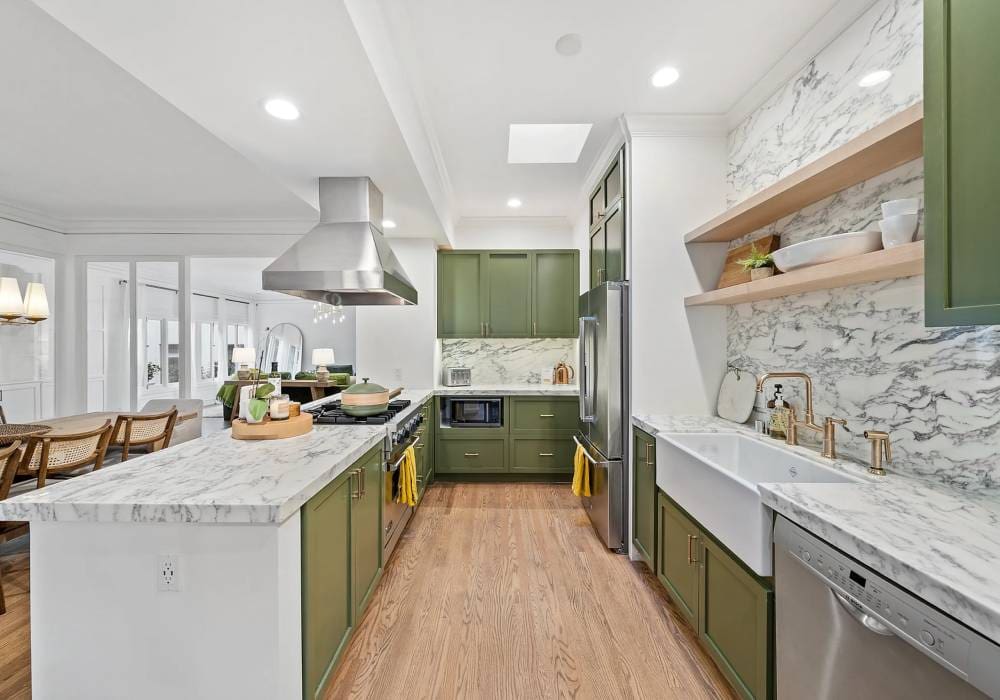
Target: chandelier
(22, 311)
(334, 313)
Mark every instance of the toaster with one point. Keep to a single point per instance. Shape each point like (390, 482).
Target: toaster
(457, 376)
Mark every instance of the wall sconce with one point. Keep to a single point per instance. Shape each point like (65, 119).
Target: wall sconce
(15, 310)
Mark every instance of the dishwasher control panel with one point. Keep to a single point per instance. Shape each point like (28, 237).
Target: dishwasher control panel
(888, 609)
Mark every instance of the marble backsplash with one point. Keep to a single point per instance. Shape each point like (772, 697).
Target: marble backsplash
(509, 360)
(823, 106)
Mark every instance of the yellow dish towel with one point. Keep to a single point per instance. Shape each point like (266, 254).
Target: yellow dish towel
(581, 473)
(408, 478)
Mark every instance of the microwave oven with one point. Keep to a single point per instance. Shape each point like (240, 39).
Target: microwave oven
(472, 412)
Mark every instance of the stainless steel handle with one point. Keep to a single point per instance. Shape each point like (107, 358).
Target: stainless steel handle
(395, 465)
(585, 416)
(585, 453)
(471, 454)
(867, 620)
(544, 454)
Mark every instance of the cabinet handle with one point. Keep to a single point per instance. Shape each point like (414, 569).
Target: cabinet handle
(482, 329)
(546, 415)
(471, 454)
(692, 559)
(364, 483)
(544, 454)
(419, 447)
(649, 462)
(534, 328)
(355, 494)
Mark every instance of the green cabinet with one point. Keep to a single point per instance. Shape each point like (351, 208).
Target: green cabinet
(543, 413)
(542, 454)
(644, 496)
(341, 565)
(472, 455)
(961, 152)
(425, 448)
(731, 608)
(607, 225)
(508, 293)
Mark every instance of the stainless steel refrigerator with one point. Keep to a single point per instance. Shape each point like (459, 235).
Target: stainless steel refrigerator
(604, 408)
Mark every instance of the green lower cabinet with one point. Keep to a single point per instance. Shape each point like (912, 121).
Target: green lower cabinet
(644, 496)
(327, 596)
(543, 413)
(542, 455)
(425, 449)
(473, 455)
(676, 562)
(731, 609)
(366, 529)
(735, 621)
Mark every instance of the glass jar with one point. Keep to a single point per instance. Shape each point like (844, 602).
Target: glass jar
(278, 406)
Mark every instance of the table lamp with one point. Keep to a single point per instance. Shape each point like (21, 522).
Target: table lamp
(242, 357)
(322, 357)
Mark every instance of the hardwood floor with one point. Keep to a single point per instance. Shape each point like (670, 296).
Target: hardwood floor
(15, 646)
(504, 591)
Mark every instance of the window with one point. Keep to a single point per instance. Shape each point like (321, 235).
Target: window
(173, 352)
(206, 342)
(152, 352)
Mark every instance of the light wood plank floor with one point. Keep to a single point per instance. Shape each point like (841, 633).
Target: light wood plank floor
(15, 646)
(504, 591)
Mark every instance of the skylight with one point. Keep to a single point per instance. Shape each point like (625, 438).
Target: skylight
(546, 143)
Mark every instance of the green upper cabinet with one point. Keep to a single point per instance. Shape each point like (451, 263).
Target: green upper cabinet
(555, 281)
(462, 294)
(508, 293)
(607, 225)
(961, 152)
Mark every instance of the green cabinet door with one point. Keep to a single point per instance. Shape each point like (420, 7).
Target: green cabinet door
(327, 598)
(509, 295)
(472, 456)
(544, 454)
(677, 559)
(597, 264)
(556, 291)
(735, 621)
(961, 153)
(644, 496)
(366, 528)
(462, 294)
(614, 244)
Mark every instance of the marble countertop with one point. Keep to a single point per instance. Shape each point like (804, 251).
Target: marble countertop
(214, 479)
(509, 390)
(940, 543)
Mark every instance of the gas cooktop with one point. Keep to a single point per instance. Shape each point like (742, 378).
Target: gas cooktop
(332, 413)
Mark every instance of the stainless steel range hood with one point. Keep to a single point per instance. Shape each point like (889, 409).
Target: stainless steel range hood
(345, 259)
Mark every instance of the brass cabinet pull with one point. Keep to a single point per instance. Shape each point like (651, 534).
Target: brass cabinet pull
(471, 454)
(546, 415)
(534, 328)
(355, 494)
(692, 559)
(544, 454)
(648, 460)
(482, 329)
(364, 483)
(419, 447)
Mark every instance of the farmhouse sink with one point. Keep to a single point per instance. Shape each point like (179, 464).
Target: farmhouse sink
(714, 477)
(826, 249)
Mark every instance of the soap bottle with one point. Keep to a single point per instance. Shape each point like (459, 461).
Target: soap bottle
(779, 414)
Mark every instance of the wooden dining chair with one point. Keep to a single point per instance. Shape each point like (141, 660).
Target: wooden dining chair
(10, 457)
(151, 430)
(63, 455)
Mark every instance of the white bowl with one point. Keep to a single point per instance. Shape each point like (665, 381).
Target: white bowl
(900, 206)
(826, 249)
(897, 230)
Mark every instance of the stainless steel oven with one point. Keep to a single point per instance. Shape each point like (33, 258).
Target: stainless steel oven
(472, 412)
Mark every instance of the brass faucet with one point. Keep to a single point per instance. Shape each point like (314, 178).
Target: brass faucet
(880, 447)
(792, 432)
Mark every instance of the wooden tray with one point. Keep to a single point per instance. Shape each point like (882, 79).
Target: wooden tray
(732, 272)
(273, 429)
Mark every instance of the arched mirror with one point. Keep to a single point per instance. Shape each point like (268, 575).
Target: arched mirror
(283, 344)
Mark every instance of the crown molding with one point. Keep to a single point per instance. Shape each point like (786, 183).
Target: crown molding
(615, 141)
(31, 217)
(641, 125)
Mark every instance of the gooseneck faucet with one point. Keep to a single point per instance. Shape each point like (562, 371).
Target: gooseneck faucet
(792, 432)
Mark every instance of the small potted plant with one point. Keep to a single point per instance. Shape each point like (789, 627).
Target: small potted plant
(759, 264)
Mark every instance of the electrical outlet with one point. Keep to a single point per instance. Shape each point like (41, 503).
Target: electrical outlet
(168, 575)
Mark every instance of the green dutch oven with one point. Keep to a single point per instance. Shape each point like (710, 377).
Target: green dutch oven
(362, 400)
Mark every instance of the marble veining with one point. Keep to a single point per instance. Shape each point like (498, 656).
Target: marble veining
(509, 390)
(822, 107)
(508, 360)
(939, 543)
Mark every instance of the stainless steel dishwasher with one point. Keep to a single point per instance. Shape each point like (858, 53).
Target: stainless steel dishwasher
(845, 632)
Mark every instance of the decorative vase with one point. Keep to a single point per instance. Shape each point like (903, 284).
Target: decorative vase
(759, 273)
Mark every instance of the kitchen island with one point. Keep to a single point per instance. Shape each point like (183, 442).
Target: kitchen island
(184, 573)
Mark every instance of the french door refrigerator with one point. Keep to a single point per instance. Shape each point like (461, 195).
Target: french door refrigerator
(604, 408)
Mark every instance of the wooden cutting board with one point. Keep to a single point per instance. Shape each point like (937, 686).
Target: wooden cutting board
(733, 272)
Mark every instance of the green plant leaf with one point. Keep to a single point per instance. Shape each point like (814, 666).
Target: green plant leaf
(264, 390)
(257, 408)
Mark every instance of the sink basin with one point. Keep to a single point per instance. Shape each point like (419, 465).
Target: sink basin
(714, 477)
(826, 249)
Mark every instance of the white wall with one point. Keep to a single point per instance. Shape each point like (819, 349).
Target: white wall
(514, 232)
(340, 336)
(396, 345)
(678, 354)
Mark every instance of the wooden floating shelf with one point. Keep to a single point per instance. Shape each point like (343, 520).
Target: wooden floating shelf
(902, 261)
(895, 141)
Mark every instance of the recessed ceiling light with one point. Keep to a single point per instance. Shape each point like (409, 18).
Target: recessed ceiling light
(875, 78)
(667, 75)
(569, 44)
(388, 223)
(514, 203)
(546, 143)
(281, 109)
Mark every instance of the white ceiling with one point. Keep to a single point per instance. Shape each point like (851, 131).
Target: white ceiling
(483, 65)
(236, 275)
(217, 60)
(83, 139)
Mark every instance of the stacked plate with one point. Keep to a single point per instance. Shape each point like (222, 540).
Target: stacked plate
(899, 221)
